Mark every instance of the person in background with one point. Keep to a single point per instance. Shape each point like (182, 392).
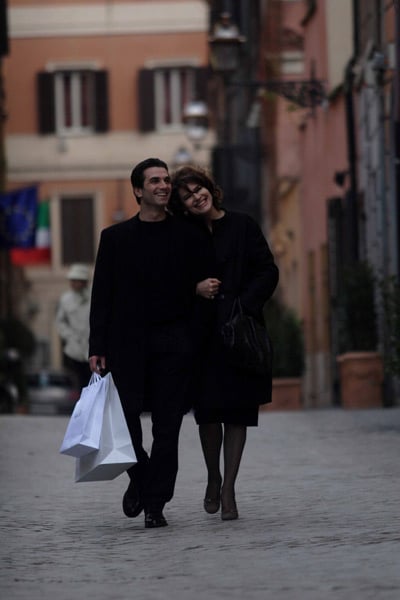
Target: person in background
(228, 398)
(72, 322)
(142, 326)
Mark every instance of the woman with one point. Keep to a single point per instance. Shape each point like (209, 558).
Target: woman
(228, 398)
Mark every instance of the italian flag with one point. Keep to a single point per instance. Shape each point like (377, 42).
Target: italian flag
(39, 254)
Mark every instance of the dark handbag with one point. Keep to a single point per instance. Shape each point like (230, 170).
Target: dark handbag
(247, 342)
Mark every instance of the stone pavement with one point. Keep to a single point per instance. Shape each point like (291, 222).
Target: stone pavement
(319, 501)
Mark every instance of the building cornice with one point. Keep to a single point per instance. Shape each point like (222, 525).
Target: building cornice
(107, 19)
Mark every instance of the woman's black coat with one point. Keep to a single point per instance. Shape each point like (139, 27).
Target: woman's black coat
(247, 270)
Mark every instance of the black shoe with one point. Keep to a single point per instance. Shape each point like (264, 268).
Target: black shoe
(131, 503)
(154, 518)
(212, 498)
(229, 512)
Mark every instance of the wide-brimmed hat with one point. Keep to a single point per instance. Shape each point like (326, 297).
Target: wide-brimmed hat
(78, 272)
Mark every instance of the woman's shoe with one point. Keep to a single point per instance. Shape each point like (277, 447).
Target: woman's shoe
(211, 505)
(229, 512)
(212, 502)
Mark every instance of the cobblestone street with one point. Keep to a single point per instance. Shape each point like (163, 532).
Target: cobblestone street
(318, 496)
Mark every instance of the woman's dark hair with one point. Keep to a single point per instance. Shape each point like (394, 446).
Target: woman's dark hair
(190, 174)
(137, 175)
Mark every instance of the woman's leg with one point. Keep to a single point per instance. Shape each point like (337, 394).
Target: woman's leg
(234, 441)
(211, 443)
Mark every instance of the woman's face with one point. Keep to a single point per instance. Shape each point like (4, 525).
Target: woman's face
(196, 199)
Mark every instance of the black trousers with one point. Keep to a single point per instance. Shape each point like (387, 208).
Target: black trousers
(166, 378)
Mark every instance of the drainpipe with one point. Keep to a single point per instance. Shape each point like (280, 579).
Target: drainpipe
(352, 242)
(396, 111)
(351, 196)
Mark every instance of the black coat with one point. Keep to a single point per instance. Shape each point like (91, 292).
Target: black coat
(246, 267)
(121, 314)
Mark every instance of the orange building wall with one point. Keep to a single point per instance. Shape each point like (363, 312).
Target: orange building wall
(122, 56)
(323, 151)
(309, 147)
(97, 165)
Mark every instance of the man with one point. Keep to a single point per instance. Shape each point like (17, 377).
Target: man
(72, 322)
(141, 326)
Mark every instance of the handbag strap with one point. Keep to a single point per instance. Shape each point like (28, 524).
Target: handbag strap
(236, 308)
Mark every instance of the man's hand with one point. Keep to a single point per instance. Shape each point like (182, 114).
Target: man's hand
(97, 363)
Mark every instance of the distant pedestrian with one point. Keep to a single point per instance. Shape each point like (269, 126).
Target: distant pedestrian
(228, 397)
(72, 322)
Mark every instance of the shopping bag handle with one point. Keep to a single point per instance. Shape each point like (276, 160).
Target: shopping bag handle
(94, 378)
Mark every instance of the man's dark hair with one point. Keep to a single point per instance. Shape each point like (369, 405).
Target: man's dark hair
(137, 175)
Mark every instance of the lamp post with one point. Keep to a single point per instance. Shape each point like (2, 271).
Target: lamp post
(225, 56)
(226, 45)
(237, 153)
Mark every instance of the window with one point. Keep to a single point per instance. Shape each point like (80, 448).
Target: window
(77, 229)
(72, 101)
(174, 88)
(163, 93)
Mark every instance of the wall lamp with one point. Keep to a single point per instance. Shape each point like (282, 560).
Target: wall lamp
(195, 120)
(225, 55)
(226, 45)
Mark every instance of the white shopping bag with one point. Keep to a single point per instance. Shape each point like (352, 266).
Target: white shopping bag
(84, 427)
(116, 453)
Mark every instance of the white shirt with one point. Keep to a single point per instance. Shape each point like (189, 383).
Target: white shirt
(72, 321)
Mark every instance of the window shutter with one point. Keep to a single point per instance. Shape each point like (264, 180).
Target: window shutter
(101, 101)
(201, 75)
(146, 100)
(4, 45)
(46, 102)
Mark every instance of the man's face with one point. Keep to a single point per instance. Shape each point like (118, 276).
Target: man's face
(77, 284)
(156, 188)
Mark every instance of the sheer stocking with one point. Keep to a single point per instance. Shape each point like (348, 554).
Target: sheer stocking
(211, 443)
(234, 441)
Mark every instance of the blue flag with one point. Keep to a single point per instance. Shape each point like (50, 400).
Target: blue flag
(18, 215)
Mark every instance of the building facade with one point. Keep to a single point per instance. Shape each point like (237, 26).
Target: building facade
(307, 146)
(92, 89)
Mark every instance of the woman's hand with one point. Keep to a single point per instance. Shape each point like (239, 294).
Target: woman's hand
(208, 288)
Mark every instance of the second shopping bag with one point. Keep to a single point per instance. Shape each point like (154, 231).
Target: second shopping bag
(115, 454)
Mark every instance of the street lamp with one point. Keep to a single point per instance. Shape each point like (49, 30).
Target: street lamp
(225, 54)
(195, 119)
(225, 45)
(181, 157)
(237, 155)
